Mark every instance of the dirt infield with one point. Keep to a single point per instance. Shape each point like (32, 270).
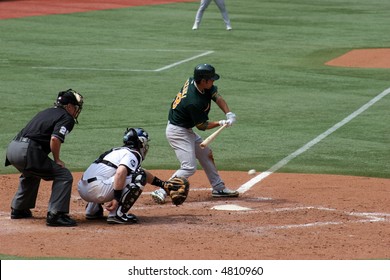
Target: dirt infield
(363, 58)
(285, 216)
(28, 8)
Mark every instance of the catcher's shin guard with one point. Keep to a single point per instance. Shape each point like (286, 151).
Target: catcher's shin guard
(129, 196)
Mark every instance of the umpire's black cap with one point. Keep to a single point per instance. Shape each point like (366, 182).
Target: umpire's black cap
(70, 97)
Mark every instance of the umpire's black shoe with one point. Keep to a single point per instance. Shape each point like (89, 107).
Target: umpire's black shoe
(59, 219)
(20, 214)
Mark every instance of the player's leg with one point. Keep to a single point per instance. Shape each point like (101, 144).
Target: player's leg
(182, 140)
(199, 14)
(25, 197)
(96, 193)
(27, 191)
(184, 147)
(224, 13)
(130, 194)
(94, 211)
(59, 201)
(206, 160)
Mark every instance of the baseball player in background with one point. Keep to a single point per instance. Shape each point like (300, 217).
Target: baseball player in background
(203, 6)
(29, 153)
(117, 179)
(189, 109)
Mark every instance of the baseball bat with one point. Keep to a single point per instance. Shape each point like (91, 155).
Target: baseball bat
(212, 137)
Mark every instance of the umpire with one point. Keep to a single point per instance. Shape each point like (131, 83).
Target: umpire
(29, 153)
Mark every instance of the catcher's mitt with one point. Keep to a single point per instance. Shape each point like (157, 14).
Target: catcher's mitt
(177, 188)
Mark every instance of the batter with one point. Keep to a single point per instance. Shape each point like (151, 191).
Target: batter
(190, 109)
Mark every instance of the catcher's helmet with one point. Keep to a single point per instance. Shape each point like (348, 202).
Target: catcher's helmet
(137, 138)
(205, 71)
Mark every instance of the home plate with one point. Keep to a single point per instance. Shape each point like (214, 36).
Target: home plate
(230, 207)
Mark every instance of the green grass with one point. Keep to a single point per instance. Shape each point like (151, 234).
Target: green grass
(272, 69)
(11, 257)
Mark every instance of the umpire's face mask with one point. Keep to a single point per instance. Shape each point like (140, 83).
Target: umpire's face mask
(77, 112)
(79, 106)
(73, 110)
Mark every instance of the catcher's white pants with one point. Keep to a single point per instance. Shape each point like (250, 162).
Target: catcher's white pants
(97, 192)
(203, 6)
(185, 142)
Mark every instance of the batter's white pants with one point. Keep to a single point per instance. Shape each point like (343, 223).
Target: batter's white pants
(185, 142)
(203, 6)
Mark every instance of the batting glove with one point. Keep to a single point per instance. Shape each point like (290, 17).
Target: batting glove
(227, 122)
(231, 117)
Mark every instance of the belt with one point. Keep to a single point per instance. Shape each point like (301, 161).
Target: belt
(90, 180)
(106, 162)
(22, 139)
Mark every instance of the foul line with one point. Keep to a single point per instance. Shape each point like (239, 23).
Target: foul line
(248, 185)
(183, 61)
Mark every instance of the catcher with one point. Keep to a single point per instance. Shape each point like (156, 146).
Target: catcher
(117, 179)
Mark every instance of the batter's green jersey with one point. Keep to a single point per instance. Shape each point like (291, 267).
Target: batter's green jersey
(191, 107)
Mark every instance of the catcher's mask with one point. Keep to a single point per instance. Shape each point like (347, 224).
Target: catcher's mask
(137, 138)
(70, 97)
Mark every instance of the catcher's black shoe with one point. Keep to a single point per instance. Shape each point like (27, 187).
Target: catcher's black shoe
(133, 218)
(20, 214)
(124, 219)
(98, 215)
(225, 193)
(59, 219)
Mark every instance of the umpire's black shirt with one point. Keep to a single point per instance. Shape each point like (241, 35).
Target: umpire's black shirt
(50, 122)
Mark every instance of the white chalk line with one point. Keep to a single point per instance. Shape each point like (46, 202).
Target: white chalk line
(183, 61)
(166, 67)
(365, 217)
(248, 185)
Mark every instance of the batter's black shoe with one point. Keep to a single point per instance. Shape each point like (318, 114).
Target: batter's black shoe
(225, 193)
(59, 219)
(20, 214)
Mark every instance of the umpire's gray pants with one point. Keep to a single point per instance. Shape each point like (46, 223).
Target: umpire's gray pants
(34, 164)
(185, 142)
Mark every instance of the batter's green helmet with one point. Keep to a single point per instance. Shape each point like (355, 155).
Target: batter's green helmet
(205, 71)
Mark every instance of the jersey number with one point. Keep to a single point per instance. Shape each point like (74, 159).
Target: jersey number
(182, 94)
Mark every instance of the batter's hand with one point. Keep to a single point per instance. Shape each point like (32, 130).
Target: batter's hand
(222, 122)
(231, 118)
(229, 123)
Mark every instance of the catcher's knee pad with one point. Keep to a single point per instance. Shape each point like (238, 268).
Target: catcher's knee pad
(129, 196)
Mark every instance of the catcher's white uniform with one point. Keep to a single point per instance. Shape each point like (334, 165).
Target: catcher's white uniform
(203, 6)
(96, 184)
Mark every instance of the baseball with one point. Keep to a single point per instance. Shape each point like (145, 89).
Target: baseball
(252, 172)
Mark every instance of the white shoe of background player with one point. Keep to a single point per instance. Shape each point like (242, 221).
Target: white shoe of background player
(159, 196)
